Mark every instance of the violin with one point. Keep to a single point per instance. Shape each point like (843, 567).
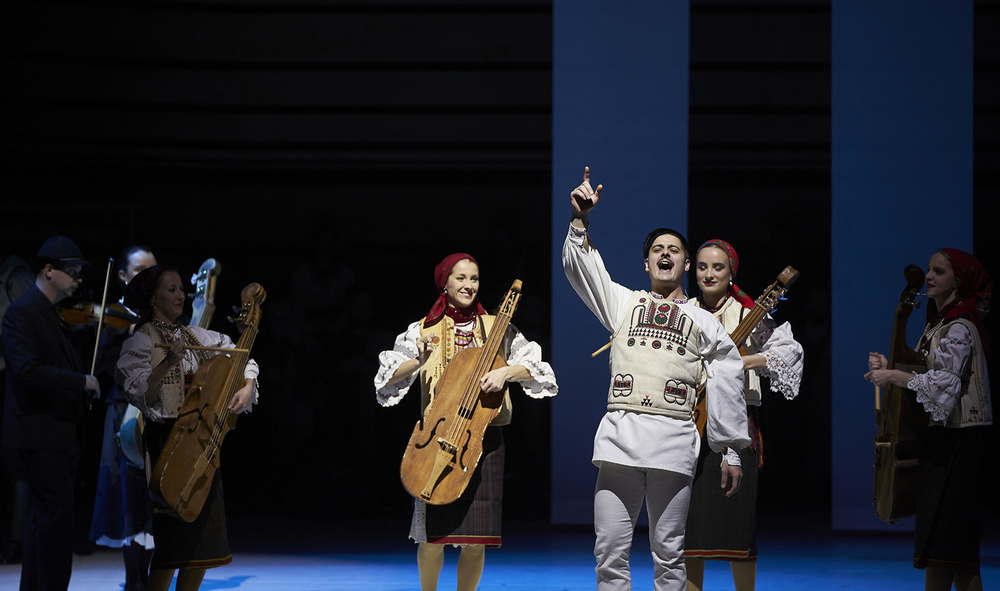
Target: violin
(117, 318)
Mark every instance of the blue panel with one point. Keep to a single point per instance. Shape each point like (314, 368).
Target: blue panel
(901, 188)
(620, 106)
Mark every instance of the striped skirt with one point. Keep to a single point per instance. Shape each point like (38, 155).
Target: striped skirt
(474, 518)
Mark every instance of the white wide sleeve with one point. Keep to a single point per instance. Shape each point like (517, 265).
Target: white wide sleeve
(133, 369)
(389, 361)
(783, 354)
(939, 389)
(725, 401)
(521, 351)
(587, 274)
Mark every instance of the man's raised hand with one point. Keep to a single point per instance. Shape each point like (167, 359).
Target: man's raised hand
(584, 198)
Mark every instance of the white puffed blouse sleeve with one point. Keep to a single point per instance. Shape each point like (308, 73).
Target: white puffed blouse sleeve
(939, 389)
(389, 361)
(784, 356)
(521, 351)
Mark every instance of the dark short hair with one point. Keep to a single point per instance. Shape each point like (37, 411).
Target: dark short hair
(127, 254)
(652, 236)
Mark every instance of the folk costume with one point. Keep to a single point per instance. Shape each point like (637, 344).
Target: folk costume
(474, 518)
(202, 543)
(955, 391)
(647, 446)
(720, 527)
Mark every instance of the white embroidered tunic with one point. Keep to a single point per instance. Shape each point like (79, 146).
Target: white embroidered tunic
(775, 343)
(644, 440)
(134, 367)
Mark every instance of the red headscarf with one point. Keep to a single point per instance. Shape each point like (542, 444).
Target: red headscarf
(734, 264)
(973, 288)
(441, 273)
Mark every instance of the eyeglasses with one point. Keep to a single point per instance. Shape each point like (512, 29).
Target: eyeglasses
(73, 272)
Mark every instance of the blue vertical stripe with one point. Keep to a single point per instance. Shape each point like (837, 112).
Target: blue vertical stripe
(901, 188)
(620, 106)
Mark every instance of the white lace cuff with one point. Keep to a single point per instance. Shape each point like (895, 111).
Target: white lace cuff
(784, 379)
(937, 410)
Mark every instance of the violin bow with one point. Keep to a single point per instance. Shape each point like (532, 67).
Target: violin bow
(100, 317)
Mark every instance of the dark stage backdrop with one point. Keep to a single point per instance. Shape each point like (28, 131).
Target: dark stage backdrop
(335, 152)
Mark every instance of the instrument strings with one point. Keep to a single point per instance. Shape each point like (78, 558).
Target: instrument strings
(240, 359)
(483, 365)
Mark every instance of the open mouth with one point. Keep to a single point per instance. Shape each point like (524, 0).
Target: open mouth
(665, 264)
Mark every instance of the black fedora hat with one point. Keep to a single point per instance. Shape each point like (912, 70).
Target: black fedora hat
(61, 249)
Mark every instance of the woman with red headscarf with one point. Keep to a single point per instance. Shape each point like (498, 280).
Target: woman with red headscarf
(955, 391)
(456, 321)
(720, 527)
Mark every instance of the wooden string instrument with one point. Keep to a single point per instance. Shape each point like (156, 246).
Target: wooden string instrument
(765, 303)
(900, 419)
(183, 474)
(446, 444)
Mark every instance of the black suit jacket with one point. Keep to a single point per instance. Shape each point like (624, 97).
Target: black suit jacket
(44, 403)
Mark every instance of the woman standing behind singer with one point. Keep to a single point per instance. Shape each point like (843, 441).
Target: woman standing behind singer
(721, 527)
(955, 391)
(156, 380)
(457, 321)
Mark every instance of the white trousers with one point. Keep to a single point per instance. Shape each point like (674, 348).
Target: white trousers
(617, 501)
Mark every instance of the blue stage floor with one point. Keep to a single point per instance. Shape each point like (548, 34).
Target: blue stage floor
(272, 554)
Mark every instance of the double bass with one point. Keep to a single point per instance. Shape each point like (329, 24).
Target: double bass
(447, 443)
(765, 303)
(900, 419)
(183, 474)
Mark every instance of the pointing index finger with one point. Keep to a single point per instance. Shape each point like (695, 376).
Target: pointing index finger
(586, 174)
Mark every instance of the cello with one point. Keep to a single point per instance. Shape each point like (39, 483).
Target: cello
(447, 443)
(765, 303)
(900, 419)
(183, 474)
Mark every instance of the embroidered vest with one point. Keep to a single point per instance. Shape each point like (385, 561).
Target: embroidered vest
(656, 366)
(974, 407)
(172, 386)
(730, 315)
(442, 334)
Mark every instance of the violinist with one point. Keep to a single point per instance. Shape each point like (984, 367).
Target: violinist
(457, 320)
(721, 528)
(155, 380)
(43, 411)
(955, 391)
(122, 517)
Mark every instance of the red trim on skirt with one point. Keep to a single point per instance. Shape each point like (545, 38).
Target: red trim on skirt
(488, 541)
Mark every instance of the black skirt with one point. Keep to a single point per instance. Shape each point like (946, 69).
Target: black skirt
(949, 505)
(721, 527)
(474, 518)
(202, 543)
